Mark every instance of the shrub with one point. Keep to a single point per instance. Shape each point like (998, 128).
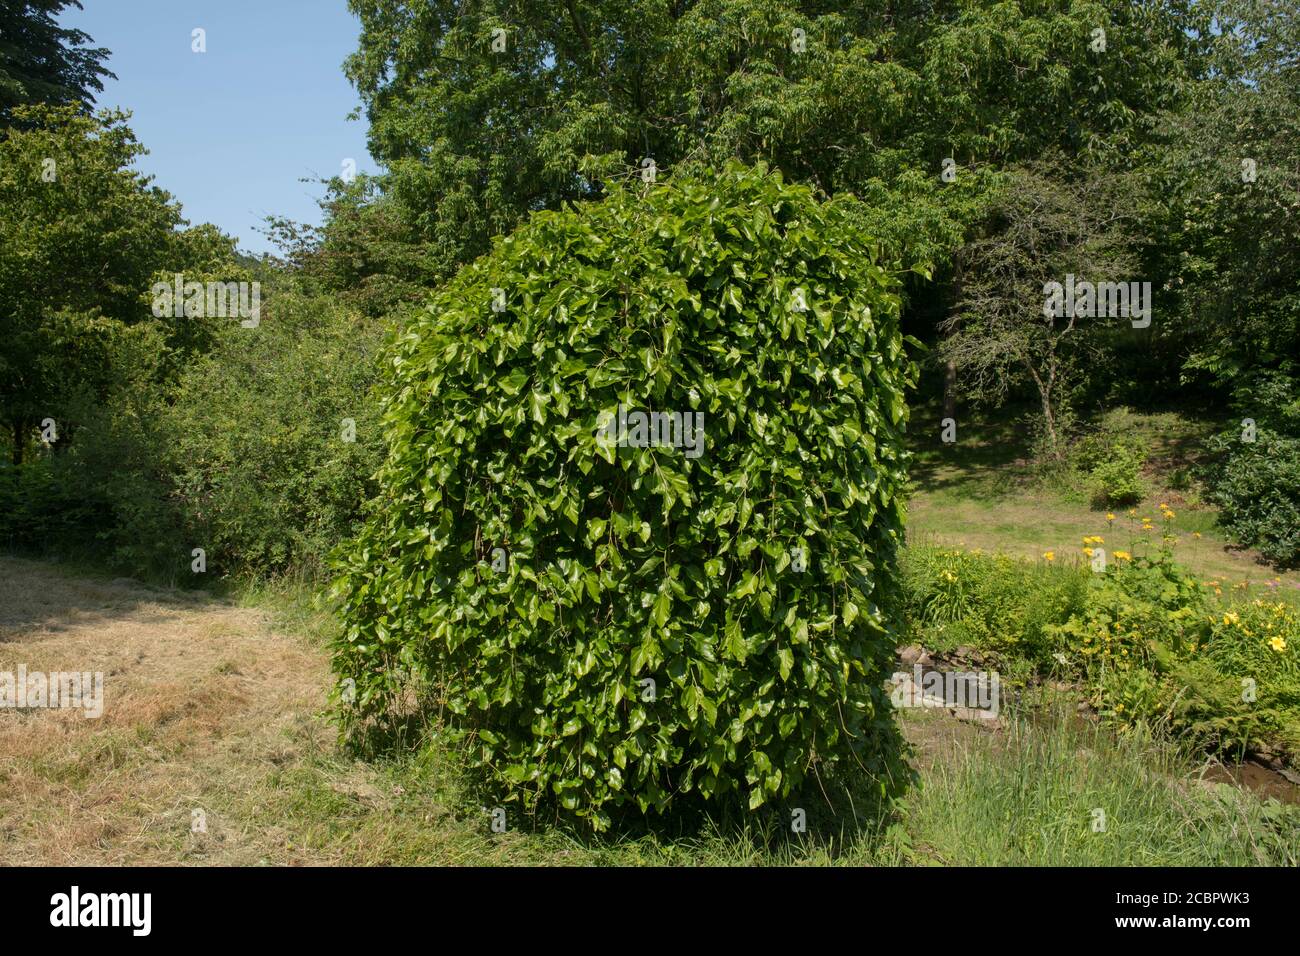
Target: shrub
(1111, 458)
(1118, 481)
(533, 579)
(1239, 687)
(259, 453)
(98, 491)
(1256, 483)
(239, 450)
(1138, 615)
(1145, 638)
(1257, 489)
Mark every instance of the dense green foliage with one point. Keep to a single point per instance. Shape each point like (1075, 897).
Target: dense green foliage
(246, 452)
(1254, 477)
(533, 575)
(1122, 157)
(272, 458)
(1257, 490)
(867, 97)
(1113, 156)
(43, 62)
(607, 630)
(1112, 465)
(81, 233)
(991, 601)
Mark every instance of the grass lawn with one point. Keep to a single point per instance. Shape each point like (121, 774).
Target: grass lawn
(220, 706)
(983, 492)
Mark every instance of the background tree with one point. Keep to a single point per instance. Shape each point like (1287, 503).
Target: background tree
(1229, 184)
(1042, 227)
(42, 62)
(368, 252)
(870, 99)
(81, 233)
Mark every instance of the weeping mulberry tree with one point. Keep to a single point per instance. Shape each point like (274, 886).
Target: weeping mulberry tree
(636, 536)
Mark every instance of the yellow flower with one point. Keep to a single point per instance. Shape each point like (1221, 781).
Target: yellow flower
(1049, 555)
(1196, 534)
(1123, 556)
(1132, 512)
(1278, 644)
(1109, 516)
(1230, 618)
(1088, 552)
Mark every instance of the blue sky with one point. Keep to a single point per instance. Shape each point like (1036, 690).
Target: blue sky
(230, 132)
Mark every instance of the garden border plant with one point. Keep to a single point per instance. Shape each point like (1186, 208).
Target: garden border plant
(1149, 643)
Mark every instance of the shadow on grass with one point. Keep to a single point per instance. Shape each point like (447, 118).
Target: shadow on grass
(989, 458)
(92, 594)
(849, 817)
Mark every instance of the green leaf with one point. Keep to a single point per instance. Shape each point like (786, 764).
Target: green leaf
(786, 659)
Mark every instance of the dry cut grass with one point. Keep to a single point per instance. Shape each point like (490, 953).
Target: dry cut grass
(200, 699)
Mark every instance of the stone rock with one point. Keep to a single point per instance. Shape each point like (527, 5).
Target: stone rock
(913, 654)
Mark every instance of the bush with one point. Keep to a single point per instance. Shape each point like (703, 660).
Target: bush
(536, 582)
(1111, 458)
(1138, 616)
(260, 455)
(243, 456)
(1239, 687)
(1146, 639)
(1257, 489)
(1256, 484)
(98, 492)
(1118, 481)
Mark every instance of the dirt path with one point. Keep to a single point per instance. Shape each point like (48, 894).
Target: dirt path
(201, 700)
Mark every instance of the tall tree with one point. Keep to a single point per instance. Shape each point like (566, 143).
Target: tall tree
(42, 62)
(81, 232)
(1229, 183)
(1042, 229)
(485, 111)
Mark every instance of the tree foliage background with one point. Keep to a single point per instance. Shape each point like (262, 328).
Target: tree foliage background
(1142, 136)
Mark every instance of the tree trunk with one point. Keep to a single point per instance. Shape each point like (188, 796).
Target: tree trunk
(1050, 419)
(19, 433)
(950, 367)
(950, 390)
